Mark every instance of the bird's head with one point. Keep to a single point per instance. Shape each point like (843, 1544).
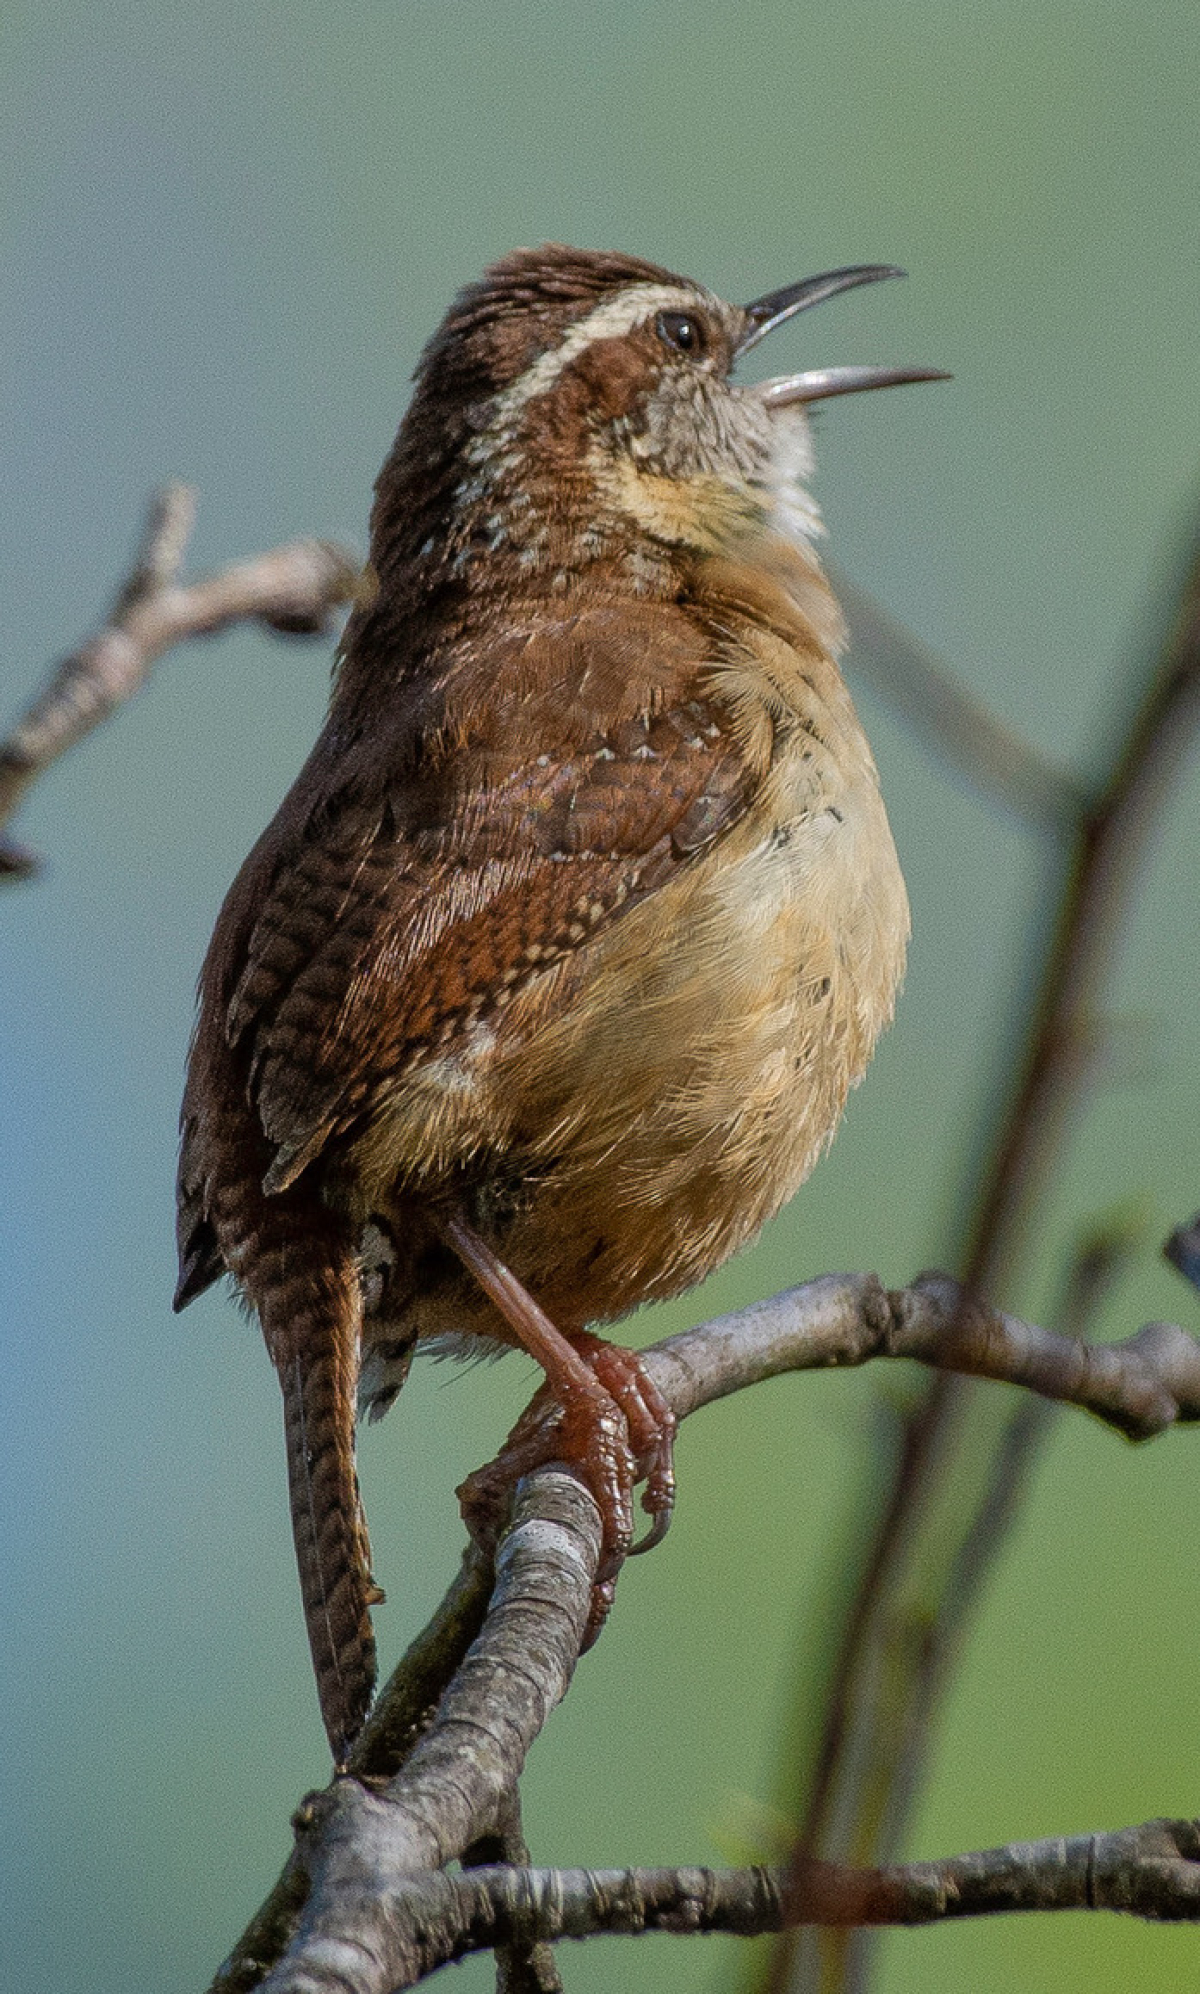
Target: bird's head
(577, 405)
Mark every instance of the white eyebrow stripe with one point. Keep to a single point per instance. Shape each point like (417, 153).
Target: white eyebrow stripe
(609, 320)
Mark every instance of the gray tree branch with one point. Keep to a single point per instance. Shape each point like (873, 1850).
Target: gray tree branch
(292, 589)
(368, 1869)
(1152, 1870)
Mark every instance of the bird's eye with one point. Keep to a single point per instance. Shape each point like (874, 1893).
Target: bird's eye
(682, 331)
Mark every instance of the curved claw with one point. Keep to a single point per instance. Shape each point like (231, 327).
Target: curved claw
(660, 1523)
(589, 1434)
(651, 1424)
(620, 1432)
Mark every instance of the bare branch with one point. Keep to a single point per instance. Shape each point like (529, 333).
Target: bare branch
(293, 589)
(1096, 1266)
(929, 1649)
(1141, 1387)
(403, 1713)
(360, 1850)
(1151, 1871)
(524, 1964)
(1111, 839)
(404, 1710)
(456, 1784)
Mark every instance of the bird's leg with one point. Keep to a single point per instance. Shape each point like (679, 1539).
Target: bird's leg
(598, 1410)
(573, 1418)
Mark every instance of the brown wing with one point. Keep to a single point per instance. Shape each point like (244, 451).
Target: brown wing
(526, 796)
(369, 955)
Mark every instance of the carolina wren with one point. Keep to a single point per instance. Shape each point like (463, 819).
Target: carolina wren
(545, 986)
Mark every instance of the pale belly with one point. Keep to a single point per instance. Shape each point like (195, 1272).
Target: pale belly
(661, 1095)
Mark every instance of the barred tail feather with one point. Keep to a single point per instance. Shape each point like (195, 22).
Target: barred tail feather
(311, 1322)
(294, 1262)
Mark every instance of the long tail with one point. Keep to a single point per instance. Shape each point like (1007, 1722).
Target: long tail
(310, 1312)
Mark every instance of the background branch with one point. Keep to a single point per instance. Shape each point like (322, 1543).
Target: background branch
(292, 589)
(925, 1672)
(949, 722)
(854, 1810)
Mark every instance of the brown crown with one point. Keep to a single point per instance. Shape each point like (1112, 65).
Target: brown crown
(519, 308)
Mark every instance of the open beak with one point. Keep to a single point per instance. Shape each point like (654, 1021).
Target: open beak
(819, 383)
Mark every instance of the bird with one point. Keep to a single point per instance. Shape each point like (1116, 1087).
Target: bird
(545, 986)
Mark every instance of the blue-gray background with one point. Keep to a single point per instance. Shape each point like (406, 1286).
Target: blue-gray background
(226, 230)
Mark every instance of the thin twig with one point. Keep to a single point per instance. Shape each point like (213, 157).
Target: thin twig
(292, 589)
(1095, 1268)
(456, 1785)
(1109, 847)
(403, 1713)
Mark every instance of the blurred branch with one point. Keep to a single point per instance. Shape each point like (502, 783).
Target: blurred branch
(927, 1666)
(949, 722)
(1183, 1250)
(1108, 846)
(1095, 1269)
(350, 1895)
(291, 589)
(856, 1757)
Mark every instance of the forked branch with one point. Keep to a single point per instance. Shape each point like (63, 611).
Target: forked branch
(365, 1905)
(292, 589)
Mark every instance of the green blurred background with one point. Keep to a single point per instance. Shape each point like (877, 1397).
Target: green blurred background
(226, 230)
